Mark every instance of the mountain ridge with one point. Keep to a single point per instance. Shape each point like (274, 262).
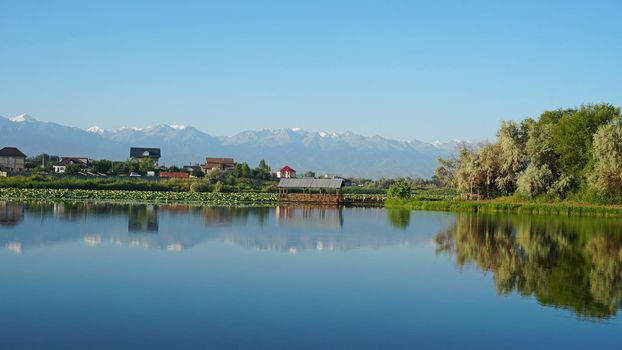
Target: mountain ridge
(346, 154)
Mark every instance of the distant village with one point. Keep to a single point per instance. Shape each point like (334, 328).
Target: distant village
(142, 162)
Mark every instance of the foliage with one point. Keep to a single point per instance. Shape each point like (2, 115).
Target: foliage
(556, 155)
(445, 171)
(398, 218)
(399, 190)
(563, 262)
(145, 165)
(101, 166)
(199, 186)
(198, 173)
(607, 153)
(535, 180)
(72, 169)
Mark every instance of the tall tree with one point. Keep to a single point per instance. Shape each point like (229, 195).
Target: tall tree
(607, 152)
(510, 139)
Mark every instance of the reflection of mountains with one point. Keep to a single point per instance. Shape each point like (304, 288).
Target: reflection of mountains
(177, 227)
(572, 263)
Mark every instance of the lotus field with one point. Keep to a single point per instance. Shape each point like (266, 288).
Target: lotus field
(212, 198)
(215, 198)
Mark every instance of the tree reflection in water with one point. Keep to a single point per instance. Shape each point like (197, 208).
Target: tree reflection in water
(398, 218)
(573, 263)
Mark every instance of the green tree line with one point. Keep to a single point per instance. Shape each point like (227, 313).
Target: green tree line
(565, 152)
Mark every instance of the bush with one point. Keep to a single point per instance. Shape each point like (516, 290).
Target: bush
(199, 186)
(399, 190)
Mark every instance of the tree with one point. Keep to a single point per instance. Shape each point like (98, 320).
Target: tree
(468, 177)
(72, 169)
(145, 165)
(263, 171)
(572, 136)
(535, 180)
(510, 139)
(399, 190)
(489, 165)
(241, 170)
(198, 172)
(446, 171)
(102, 166)
(607, 152)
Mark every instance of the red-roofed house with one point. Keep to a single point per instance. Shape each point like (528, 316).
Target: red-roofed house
(286, 173)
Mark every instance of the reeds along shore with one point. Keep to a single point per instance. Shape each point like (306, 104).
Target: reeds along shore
(568, 209)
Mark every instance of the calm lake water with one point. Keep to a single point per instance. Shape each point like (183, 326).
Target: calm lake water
(103, 276)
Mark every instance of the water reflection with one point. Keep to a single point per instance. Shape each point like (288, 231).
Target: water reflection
(572, 263)
(11, 214)
(398, 218)
(178, 227)
(143, 218)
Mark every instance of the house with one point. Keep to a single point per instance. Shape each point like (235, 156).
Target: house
(174, 174)
(12, 160)
(286, 173)
(218, 164)
(83, 162)
(138, 153)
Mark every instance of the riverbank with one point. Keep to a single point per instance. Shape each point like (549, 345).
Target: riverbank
(208, 198)
(510, 206)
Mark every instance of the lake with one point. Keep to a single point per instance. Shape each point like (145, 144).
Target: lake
(104, 276)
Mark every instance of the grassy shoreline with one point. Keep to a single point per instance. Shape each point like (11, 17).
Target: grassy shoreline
(505, 206)
(270, 199)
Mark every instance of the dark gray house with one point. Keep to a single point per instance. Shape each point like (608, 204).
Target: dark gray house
(138, 153)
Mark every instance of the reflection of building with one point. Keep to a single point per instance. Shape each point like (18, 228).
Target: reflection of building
(143, 218)
(11, 213)
(310, 215)
(217, 216)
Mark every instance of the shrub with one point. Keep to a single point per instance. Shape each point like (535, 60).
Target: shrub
(199, 186)
(399, 190)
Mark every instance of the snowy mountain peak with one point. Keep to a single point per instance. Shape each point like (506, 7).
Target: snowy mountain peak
(177, 126)
(96, 130)
(22, 118)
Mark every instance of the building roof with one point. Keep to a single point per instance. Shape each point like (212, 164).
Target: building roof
(219, 160)
(311, 183)
(11, 152)
(140, 152)
(287, 169)
(69, 160)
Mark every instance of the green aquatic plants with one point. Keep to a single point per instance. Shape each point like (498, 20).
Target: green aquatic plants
(139, 196)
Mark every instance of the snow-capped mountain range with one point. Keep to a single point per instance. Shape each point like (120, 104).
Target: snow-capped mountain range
(346, 154)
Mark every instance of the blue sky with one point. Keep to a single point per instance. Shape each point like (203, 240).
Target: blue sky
(401, 69)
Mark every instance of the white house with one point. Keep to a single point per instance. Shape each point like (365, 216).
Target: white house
(286, 173)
